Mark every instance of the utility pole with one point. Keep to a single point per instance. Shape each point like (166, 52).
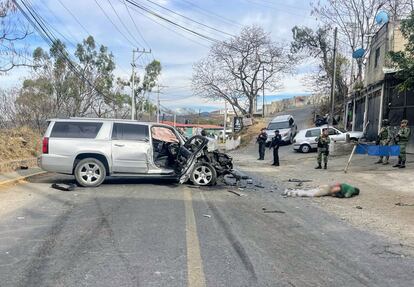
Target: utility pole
(263, 105)
(140, 52)
(158, 104)
(225, 122)
(333, 76)
(158, 101)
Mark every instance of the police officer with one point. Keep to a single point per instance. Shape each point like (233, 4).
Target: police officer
(261, 140)
(323, 148)
(276, 142)
(402, 140)
(384, 138)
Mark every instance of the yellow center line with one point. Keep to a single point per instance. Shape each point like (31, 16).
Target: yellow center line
(195, 273)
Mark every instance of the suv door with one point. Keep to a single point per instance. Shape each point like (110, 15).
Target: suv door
(130, 148)
(192, 149)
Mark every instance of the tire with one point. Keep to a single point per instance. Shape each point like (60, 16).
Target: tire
(90, 172)
(305, 148)
(203, 174)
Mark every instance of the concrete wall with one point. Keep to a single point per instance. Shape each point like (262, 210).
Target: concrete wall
(388, 38)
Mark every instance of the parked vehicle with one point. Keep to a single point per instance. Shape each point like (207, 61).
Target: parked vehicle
(92, 149)
(286, 126)
(305, 140)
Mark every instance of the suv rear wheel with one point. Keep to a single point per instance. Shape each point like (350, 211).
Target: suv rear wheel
(203, 174)
(90, 172)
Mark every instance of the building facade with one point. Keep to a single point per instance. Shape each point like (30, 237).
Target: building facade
(380, 98)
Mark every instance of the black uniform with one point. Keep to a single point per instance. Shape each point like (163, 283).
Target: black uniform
(261, 140)
(276, 142)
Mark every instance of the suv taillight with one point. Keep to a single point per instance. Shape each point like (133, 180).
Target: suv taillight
(45, 145)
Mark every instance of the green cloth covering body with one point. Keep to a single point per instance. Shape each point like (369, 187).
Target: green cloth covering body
(347, 191)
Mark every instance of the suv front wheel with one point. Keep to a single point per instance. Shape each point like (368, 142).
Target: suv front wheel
(203, 174)
(90, 172)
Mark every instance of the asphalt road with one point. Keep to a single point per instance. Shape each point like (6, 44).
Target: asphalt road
(135, 232)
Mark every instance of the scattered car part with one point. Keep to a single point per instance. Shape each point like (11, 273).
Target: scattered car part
(232, 191)
(64, 187)
(273, 211)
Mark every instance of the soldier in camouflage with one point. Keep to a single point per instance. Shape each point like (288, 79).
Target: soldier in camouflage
(402, 140)
(384, 139)
(323, 148)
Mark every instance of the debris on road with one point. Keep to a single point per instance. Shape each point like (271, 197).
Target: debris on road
(24, 167)
(358, 207)
(259, 186)
(273, 211)
(64, 187)
(299, 180)
(207, 215)
(249, 181)
(403, 204)
(234, 192)
(20, 217)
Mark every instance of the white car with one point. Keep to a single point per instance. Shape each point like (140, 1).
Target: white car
(305, 140)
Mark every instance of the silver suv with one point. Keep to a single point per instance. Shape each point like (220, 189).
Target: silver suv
(92, 149)
(286, 126)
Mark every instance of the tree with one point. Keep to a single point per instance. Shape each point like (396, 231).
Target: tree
(404, 60)
(356, 23)
(12, 33)
(232, 71)
(355, 20)
(144, 86)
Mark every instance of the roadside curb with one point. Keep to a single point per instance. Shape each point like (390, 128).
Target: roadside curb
(20, 178)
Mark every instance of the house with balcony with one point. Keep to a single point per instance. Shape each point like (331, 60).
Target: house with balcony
(380, 98)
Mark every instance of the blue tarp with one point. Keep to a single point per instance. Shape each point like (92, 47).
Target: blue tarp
(376, 150)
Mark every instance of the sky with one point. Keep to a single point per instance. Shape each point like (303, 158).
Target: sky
(74, 20)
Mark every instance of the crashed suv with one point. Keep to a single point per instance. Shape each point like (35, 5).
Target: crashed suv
(92, 149)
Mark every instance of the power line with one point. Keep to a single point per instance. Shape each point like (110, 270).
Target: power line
(149, 11)
(210, 13)
(83, 27)
(135, 25)
(188, 18)
(41, 27)
(113, 24)
(168, 28)
(123, 24)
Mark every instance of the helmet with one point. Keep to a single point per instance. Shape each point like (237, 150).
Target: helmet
(404, 122)
(276, 131)
(385, 122)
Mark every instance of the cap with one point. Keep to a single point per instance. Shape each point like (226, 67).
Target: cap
(276, 131)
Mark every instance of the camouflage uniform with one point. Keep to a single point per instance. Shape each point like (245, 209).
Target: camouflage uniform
(323, 150)
(402, 139)
(384, 138)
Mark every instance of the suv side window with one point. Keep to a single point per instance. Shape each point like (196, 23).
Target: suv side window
(129, 132)
(313, 133)
(291, 121)
(84, 130)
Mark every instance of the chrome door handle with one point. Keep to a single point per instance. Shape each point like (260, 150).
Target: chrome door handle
(119, 145)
